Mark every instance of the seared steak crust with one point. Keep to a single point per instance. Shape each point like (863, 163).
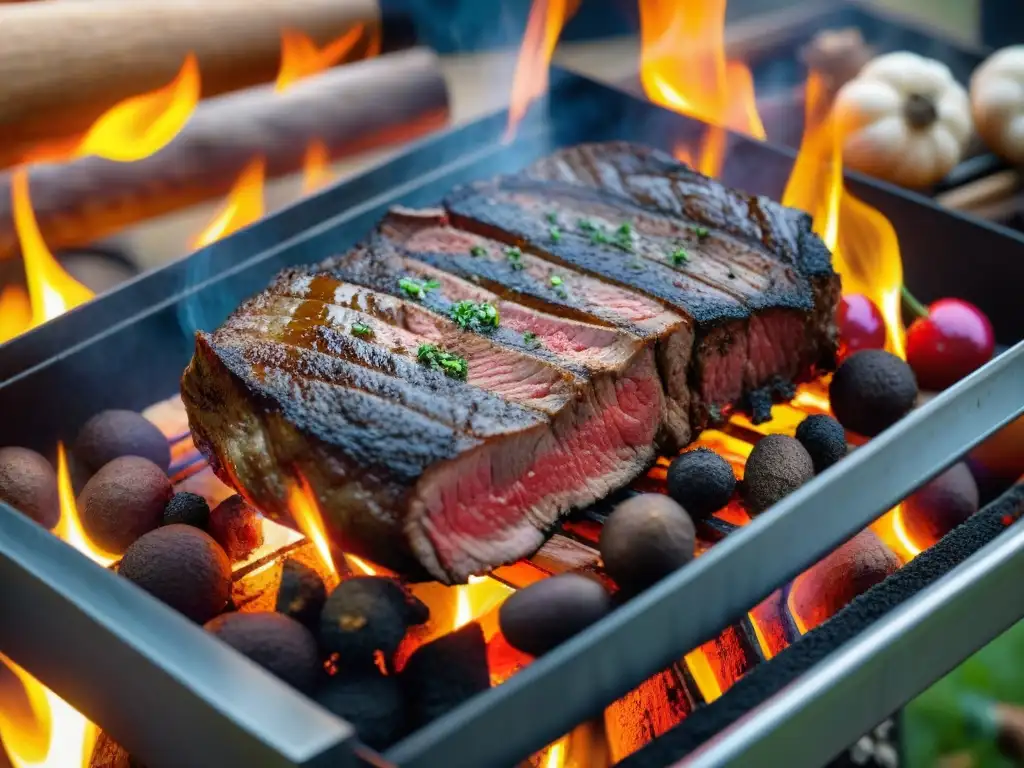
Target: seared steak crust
(637, 301)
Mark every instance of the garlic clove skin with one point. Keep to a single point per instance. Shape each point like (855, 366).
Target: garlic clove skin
(997, 102)
(904, 119)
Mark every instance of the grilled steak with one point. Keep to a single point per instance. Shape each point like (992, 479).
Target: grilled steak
(464, 377)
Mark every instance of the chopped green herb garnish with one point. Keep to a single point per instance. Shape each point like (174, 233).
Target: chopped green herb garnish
(361, 329)
(625, 229)
(586, 226)
(700, 232)
(515, 257)
(680, 256)
(477, 250)
(556, 234)
(599, 237)
(552, 218)
(531, 340)
(556, 280)
(475, 316)
(437, 359)
(415, 289)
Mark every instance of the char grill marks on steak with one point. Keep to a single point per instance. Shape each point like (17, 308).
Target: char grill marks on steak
(637, 301)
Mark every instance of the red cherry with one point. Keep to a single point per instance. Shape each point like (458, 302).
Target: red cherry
(861, 325)
(954, 339)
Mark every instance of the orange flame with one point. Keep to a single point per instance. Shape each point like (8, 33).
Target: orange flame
(243, 205)
(544, 25)
(481, 595)
(315, 166)
(143, 125)
(52, 290)
(866, 251)
(556, 753)
(60, 737)
(683, 68)
(300, 56)
(69, 527)
(15, 312)
(305, 511)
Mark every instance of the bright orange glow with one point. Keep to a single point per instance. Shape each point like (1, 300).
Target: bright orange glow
(305, 511)
(300, 56)
(243, 206)
(60, 737)
(762, 641)
(547, 17)
(703, 675)
(481, 595)
(890, 529)
(15, 312)
(866, 251)
(556, 753)
(683, 68)
(142, 125)
(69, 527)
(316, 166)
(360, 565)
(52, 290)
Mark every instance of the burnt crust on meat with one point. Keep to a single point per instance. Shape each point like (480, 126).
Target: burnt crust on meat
(608, 346)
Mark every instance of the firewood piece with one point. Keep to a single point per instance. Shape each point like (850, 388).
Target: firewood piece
(444, 673)
(349, 109)
(65, 63)
(983, 192)
(107, 753)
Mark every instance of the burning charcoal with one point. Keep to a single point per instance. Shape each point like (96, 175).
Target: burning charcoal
(183, 567)
(276, 642)
(122, 501)
(644, 539)
(824, 438)
(370, 701)
(112, 434)
(444, 673)
(776, 467)
(871, 391)
(701, 481)
(187, 509)
(366, 614)
(236, 526)
(29, 484)
(547, 613)
(940, 505)
(827, 586)
(302, 593)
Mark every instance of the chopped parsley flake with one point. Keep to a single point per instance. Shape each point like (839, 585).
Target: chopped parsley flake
(552, 218)
(437, 359)
(700, 232)
(361, 329)
(477, 250)
(556, 234)
(599, 238)
(473, 316)
(515, 257)
(531, 340)
(416, 289)
(680, 256)
(556, 280)
(586, 225)
(625, 230)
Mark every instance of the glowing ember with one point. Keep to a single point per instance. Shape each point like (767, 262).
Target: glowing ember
(300, 56)
(547, 17)
(683, 68)
(866, 251)
(305, 511)
(243, 206)
(480, 596)
(556, 753)
(315, 167)
(69, 527)
(142, 125)
(703, 675)
(60, 736)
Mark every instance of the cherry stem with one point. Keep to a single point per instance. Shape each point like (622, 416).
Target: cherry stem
(916, 307)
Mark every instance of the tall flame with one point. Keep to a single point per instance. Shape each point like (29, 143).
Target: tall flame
(315, 166)
(52, 291)
(683, 67)
(544, 25)
(305, 511)
(866, 251)
(143, 125)
(69, 527)
(243, 205)
(300, 56)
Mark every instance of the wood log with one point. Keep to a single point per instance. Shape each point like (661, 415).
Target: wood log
(348, 109)
(64, 63)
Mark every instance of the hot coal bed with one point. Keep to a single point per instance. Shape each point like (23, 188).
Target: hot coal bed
(173, 696)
